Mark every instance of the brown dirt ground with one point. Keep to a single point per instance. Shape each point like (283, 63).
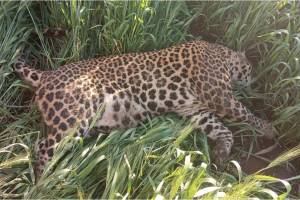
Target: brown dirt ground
(253, 163)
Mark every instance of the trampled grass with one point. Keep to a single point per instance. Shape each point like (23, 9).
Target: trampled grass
(165, 157)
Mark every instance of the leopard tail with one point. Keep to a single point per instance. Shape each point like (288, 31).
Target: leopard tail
(29, 75)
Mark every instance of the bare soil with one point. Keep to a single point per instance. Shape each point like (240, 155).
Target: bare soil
(256, 161)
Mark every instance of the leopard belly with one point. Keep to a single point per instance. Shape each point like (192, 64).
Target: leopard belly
(124, 109)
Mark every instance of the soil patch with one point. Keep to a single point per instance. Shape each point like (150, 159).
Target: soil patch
(258, 160)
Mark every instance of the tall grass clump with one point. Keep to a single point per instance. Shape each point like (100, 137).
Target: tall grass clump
(161, 160)
(164, 158)
(109, 27)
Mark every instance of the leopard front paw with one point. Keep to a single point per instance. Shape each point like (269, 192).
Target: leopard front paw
(221, 154)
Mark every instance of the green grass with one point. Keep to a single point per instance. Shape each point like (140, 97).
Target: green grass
(165, 157)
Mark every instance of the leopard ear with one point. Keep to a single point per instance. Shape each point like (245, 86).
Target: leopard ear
(243, 53)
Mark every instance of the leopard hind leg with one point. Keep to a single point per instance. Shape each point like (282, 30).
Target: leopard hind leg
(45, 147)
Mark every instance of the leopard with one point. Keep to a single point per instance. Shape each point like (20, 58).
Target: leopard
(195, 80)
